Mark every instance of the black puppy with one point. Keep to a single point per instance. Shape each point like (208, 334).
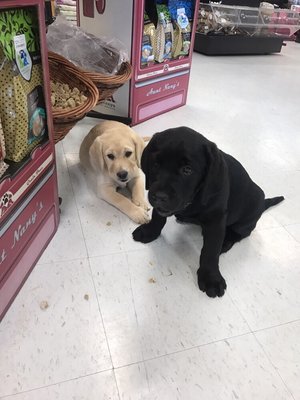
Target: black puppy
(189, 177)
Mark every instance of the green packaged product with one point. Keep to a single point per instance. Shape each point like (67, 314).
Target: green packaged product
(22, 107)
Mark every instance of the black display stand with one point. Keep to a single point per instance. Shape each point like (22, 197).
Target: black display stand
(236, 44)
(96, 114)
(243, 3)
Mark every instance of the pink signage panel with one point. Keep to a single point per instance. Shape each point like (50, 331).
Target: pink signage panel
(23, 265)
(17, 234)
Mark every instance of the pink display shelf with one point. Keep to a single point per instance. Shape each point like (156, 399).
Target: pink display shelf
(29, 209)
(157, 97)
(161, 69)
(153, 89)
(16, 185)
(161, 87)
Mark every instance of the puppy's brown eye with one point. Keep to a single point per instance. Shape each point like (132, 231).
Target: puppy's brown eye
(111, 156)
(186, 170)
(128, 153)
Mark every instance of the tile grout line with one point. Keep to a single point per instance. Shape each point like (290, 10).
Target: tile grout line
(293, 224)
(92, 276)
(275, 369)
(63, 261)
(55, 383)
(252, 332)
(292, 236)
(136, 318)
(76, 205)
(184, 350)
(276, 326)
(107, 342)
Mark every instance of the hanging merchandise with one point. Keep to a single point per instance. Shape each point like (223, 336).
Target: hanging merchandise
(3, 165)
(68, 9)
(150, 10)
(175, 5)
(148, 41)
(168, 35)
(182, 34)
(22, 107)
(159, 47)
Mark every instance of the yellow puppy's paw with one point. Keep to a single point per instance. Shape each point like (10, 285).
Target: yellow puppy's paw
(139, 215)
(141, 203)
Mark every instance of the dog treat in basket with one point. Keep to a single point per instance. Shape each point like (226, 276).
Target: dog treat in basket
(62, 96)
(22, 108)
(3, 165)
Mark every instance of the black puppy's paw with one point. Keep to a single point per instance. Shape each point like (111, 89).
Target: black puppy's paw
(212, 284)
(144, 234)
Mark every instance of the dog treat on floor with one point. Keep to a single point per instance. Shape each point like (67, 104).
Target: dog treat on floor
(189, 177)
(44, 305)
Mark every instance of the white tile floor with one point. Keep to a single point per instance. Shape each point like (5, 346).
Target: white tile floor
(109, 333)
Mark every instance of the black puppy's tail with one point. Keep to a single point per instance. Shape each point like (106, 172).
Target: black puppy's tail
(273, 201)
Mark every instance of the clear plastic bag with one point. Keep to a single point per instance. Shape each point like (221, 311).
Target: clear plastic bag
(93, 54)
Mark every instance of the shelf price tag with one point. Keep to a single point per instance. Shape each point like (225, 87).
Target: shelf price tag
(23, 59)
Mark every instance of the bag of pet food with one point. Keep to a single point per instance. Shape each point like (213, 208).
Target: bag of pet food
(148, 42)
(3, 165)
(22, 107)
(159, 46)
(167, 35)
(175, 5)
(182, 34)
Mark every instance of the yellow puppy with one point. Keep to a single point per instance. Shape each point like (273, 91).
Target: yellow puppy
(112, 151)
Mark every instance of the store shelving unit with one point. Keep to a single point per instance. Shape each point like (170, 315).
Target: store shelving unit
(153, 89)
(29, 209)
(261, 30)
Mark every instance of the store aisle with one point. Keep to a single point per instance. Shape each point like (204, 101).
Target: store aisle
(103, 317)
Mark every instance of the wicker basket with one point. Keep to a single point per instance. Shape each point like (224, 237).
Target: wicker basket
(108, 84)
(61, 70)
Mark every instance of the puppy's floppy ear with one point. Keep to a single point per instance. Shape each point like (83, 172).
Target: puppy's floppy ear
(139, 147)
(215, 173)
(149, 149)
(96, 155)
(145, 163)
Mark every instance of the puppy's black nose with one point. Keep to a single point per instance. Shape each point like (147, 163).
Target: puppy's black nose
(122, 175)
(159, 198)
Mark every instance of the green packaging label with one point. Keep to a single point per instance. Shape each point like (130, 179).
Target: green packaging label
(18, 22)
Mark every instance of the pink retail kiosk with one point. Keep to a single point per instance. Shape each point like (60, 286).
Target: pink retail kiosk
(29, 210)
(155, 87)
